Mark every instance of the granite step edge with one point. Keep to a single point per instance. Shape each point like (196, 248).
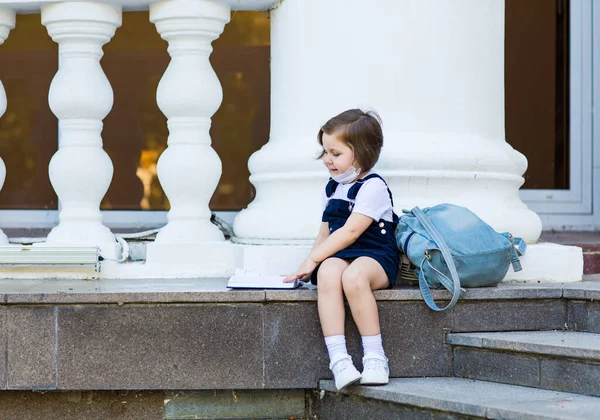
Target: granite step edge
(477, 398)
(568, 344)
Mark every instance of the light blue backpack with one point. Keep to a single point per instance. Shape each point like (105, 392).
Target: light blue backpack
(449, 246)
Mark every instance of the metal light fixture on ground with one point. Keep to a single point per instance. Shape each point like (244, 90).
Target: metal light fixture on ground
(49, 255)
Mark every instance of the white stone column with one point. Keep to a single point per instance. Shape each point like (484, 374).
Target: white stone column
(81, 97)
(433, 69)
(189, 93)
(7, 22)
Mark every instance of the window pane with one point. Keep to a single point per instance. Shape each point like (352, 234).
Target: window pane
(135, 132)
(28, 129)
(537, 89)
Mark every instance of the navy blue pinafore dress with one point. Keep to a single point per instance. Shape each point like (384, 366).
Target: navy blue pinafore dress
(377, 242)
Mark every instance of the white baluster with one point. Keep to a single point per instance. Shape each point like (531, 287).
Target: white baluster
(7, 22)
(81, 97)
(189, 93)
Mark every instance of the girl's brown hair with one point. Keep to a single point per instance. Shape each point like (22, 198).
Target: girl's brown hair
(361, 131)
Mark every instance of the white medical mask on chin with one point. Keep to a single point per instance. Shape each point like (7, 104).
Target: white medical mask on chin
(347, 177)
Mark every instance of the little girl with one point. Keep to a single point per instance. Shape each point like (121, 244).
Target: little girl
(355, 251)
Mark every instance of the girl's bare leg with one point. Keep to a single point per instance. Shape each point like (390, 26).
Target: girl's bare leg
(332, 315)
(330, 297)
(359, 280)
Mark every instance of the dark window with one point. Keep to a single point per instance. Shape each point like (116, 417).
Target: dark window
(28, 129)
(537, 89)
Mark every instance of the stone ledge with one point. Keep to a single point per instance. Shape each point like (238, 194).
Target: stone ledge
(196, 334)
(230, 345)
(239, 296)
(215, 291)
(587, 290)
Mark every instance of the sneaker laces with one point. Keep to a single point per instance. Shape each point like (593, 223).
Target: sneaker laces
(375, 363)
(341, 365)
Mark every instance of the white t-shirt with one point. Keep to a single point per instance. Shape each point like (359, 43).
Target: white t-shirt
(372, 200)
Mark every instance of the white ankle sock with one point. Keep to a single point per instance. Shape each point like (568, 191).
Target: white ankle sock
(336, 347)
(372, 345)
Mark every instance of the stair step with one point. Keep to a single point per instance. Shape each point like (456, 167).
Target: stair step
(575, 345)
(467, 397)
(553, 360)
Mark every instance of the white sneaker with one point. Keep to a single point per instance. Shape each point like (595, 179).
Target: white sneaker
(344, 372)
(375, 371)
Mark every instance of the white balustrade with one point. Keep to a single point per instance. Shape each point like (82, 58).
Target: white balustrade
(7, 22)
(81, 97)
(189, 93)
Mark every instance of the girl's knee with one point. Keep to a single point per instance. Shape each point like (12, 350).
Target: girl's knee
(353, 282)
(329, 276)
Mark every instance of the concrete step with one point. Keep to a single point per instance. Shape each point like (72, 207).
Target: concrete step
(555, 360)
(443, 398)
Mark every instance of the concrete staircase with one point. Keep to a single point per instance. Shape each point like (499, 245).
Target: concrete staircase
(191, 348)
(497, 375)
(557, 360)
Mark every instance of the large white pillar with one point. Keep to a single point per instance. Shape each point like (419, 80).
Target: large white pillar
(189, 93)
(81, 97)
(7, 22)
(433, 69)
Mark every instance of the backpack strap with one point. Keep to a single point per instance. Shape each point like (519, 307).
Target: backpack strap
(452, 285)
(518, 249)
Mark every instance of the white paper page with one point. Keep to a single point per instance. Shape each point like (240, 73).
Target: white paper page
(249, 279)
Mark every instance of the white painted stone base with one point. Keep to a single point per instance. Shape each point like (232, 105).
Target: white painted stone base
(542, 263)
(140, 270)
(207, 259)
(273, 259)
(549, 263)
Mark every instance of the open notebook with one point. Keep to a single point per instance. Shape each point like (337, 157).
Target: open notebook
(246, 279)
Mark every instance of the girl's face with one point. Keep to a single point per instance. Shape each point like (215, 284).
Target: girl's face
(338, 156)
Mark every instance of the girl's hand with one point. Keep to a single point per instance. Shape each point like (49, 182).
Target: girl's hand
(305, 270)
